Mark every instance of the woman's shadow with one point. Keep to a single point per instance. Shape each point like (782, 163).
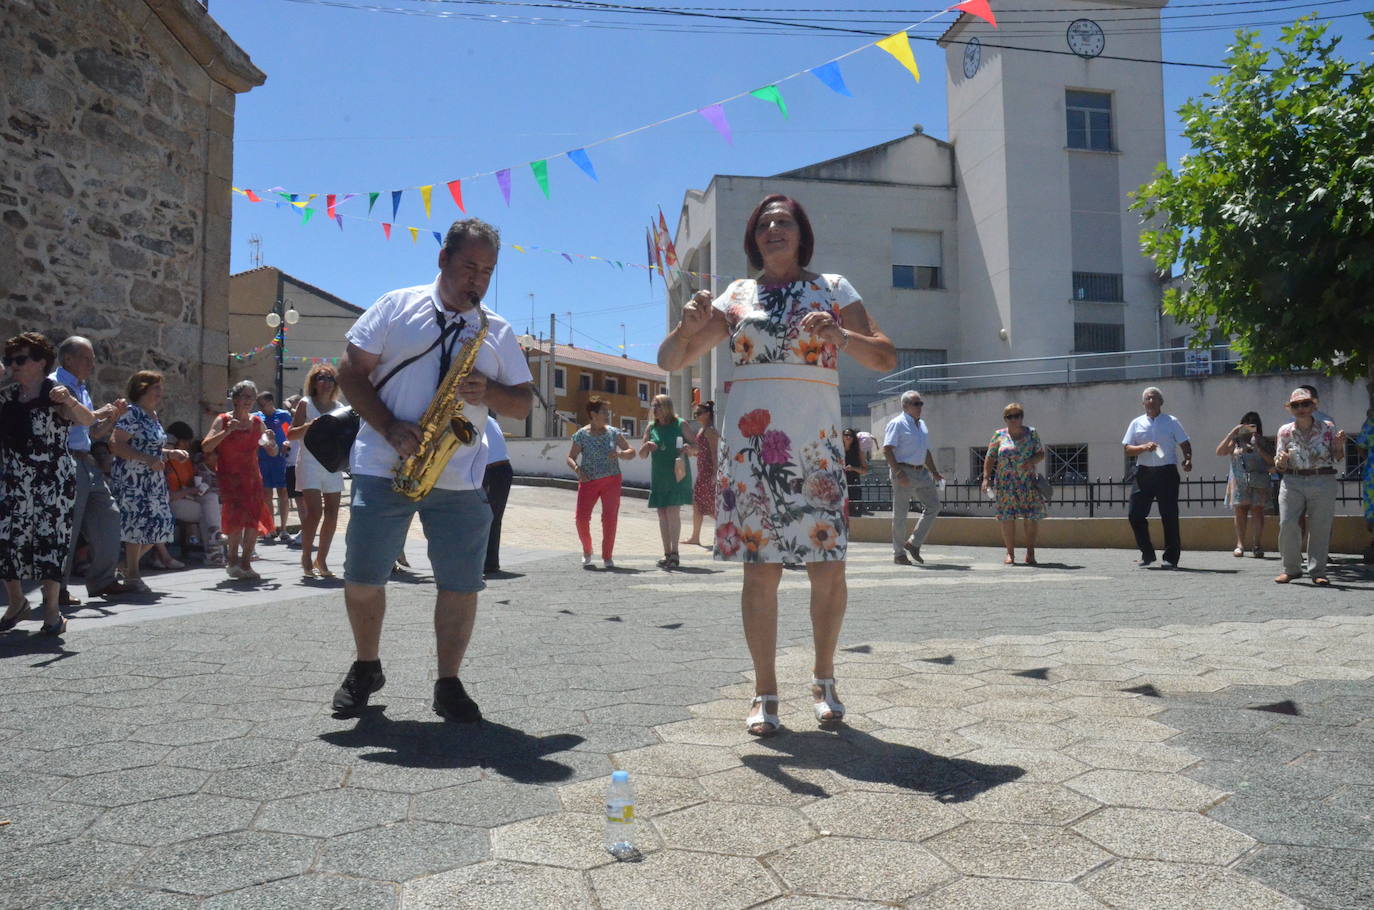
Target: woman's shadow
(948, 780)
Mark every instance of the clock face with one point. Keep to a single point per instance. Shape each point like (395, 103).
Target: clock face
(973, 56)
(1085, 38)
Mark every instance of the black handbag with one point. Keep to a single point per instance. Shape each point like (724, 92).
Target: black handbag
(330, 436)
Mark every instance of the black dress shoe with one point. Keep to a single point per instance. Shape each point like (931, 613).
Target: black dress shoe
(358, 686)
(451, 701)
(115, 589)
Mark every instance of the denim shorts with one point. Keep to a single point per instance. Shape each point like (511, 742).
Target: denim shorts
(455, 522)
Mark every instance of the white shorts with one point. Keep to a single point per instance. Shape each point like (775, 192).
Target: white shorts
(311, 475)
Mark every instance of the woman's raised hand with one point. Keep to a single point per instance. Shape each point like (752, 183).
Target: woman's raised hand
(697, 312)
(822, 324)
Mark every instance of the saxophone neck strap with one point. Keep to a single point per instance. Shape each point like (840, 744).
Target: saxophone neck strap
(447, 340)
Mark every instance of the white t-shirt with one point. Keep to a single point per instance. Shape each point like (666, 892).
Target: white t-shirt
(908, 438)
(496, 441)
(400, 325)
(1164, 430)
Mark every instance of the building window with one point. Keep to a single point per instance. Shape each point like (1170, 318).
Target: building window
(1089, 120)
(560, 380)
(1098, 338)
(584, 382)
(612, 385)
(1067, 463)
(916, 260)
(644, 392)
(627, 426)
(1104, 286)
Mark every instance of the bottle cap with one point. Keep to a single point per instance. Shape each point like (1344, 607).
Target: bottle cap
(620, 777)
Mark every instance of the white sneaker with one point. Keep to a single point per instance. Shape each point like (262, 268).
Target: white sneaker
(233, 571)
(609, 563)
(586, 560)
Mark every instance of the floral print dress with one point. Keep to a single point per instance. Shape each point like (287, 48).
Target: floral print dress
(1366, 441)
(37, 487)
(780, 477)
(145, 512)
(1016, 493)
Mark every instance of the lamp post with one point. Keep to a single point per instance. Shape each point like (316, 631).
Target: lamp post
(279, 318)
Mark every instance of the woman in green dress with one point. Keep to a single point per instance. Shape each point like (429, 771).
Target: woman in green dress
(666, 438)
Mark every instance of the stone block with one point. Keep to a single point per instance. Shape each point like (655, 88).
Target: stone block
(404, 851)
(1001, 894)
(1033, 852)
(1026, 803)
(166, 821)
(110, 71)
(1145, 885)
(683, 881)
(735, 829)
(226, 862)
(499, 884)
(876, 870)
(1146, 790)
(486, 803)
(882, 815)
(1176, 837)
(1320, 877)
(307, 891)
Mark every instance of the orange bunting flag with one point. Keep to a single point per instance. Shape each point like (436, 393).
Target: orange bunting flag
(414, 234)
(669, 253)
(899, 46)
(386, 229)
(329, 205)
(425, 192)
(456, 188)
(252, 196)
(977, 8)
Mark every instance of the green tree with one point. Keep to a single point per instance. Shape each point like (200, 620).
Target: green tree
(1271, 214)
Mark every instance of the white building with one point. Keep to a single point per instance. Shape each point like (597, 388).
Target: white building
(1012, 239)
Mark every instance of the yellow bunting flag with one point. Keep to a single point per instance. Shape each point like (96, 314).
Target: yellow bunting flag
(424, 197)
(414, 233)
(899, 46)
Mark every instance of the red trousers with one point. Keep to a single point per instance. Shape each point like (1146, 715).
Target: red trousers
(606, 489)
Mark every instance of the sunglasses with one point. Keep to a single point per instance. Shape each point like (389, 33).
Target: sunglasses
(1302, 404)
(917, 404)
(18, 360)
(1016, 416)
(325, 377)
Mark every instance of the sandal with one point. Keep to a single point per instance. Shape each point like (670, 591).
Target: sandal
(828, 704)
(1008, 560)
(1321, 581)
(9, 622)
(1238, 551)
(1030, 558)
(762, 722)
(54, 629)
(1285, 578)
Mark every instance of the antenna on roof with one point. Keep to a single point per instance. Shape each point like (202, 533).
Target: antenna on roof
(255, 241)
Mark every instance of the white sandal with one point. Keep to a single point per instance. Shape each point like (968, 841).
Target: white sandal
(761, 716)
(828, 704)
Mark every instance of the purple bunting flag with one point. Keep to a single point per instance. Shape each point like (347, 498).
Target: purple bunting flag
(503, 179)
(715, 115)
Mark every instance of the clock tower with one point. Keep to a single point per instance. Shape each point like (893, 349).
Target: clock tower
(1053, 123)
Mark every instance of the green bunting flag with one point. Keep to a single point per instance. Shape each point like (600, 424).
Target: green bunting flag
(771, 93)
(541, 174)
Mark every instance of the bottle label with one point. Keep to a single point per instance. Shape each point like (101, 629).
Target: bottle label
(623, 815)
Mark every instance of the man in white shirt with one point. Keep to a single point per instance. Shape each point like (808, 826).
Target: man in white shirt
(406, 342)
(906, 444)
(1152, 439)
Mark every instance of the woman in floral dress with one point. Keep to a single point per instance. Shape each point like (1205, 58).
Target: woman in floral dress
(139, 481)
(781, 473)
(37, 478)
(1009, 467)
(704, 485)
(233, 440)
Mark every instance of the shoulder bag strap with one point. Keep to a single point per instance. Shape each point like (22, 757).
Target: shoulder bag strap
(445, 331)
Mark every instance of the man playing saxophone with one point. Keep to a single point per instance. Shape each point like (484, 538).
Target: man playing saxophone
(410, 348)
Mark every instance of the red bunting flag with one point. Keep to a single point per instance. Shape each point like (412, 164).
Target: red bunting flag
(456, 188)
(386, 229)
(669, 253)
(977, 8)
(252, 196)
(329, 205)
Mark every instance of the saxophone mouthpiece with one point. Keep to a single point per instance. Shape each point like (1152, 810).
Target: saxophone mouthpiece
(473, 298)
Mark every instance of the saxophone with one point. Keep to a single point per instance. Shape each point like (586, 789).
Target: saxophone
(443, 427)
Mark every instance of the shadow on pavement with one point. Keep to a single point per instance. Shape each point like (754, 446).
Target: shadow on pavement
(948, 780)
(422, 744)
(1062, 566)
(693, 570)
(945, 567)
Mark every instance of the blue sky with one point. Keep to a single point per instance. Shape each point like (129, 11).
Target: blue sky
(359, 100)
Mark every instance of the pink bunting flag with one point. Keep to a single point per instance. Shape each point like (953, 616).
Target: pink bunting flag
(386, 229)
(329, 204)
(715, 115)
(252, 196)
(977, 8)
(455, 187)
(503, 179)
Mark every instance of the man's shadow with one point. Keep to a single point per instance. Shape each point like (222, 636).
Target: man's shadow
(422, 744)
(948, 780)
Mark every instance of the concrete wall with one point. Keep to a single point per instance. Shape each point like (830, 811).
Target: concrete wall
(117, 120)
(546, 458)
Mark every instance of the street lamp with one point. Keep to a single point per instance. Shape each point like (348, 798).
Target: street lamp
(279, 319)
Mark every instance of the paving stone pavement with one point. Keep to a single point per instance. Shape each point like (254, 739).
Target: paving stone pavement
(1080, 734)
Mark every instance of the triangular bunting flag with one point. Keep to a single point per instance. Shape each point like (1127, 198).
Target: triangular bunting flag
(899, 46)
(541, 174)
(771, 94)
(830, 74)
(329, 204)
(649, 252)
(579, 158)
(977, 8)
(503, 180)
(715, 115)
(425, 192)
(306, 215)
(339, 220)
(252, 196)
(455, 187)
(371, 201)
(669, 253)
(567, 257)
(414, 234)
(386, 229)
(395, 202)
(438, 238)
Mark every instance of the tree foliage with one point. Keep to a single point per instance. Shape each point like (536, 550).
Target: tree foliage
(1271, 214)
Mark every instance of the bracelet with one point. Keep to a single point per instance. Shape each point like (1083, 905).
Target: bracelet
(844, 340)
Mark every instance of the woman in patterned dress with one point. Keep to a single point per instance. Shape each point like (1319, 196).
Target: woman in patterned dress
(234, 439)
(139, 445)
(782, 483)
(1009, 467)
(37, 477)
(1308, 453)
(667, 438)
(1248, 488)
(704, 485)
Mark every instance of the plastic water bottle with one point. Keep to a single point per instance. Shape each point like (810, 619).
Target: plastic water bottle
(620, 817)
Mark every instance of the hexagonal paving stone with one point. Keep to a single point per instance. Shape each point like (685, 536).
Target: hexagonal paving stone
(705, 731)
(735, 829)
(571, 840)
(803, 902)
(654, 795)
(166, 821)
(119, 788)
(303, 891)
(276, 781)
(1023, 710)
(1038, 765)
(881, 870)
(891, 816)
(61, 736)
(1180, 837)
(226, 862)
(29, 877)
(189, 732)
(923, 718)
(1017, 851)
(676, 760)
(1146, 790)
(1323, 877)
(1000, 894)
(782, 787)
(486, 803)
(243, 752)
(369, 775)
(490, 885)
(19, 786)
(1130, 756)
(1117, 705)
(683, 881)
(1137, 729)
(1025, 803)
(1013, 735)
(1144, 885)
(332, 812)
(1296, 822)
(44, 822)
(405, 850)
(101, 757)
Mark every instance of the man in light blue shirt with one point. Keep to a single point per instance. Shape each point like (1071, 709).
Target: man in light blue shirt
(95, 514)
(906, 443)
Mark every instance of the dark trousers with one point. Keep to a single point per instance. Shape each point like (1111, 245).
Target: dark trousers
(496, 483)
(1156, 485)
